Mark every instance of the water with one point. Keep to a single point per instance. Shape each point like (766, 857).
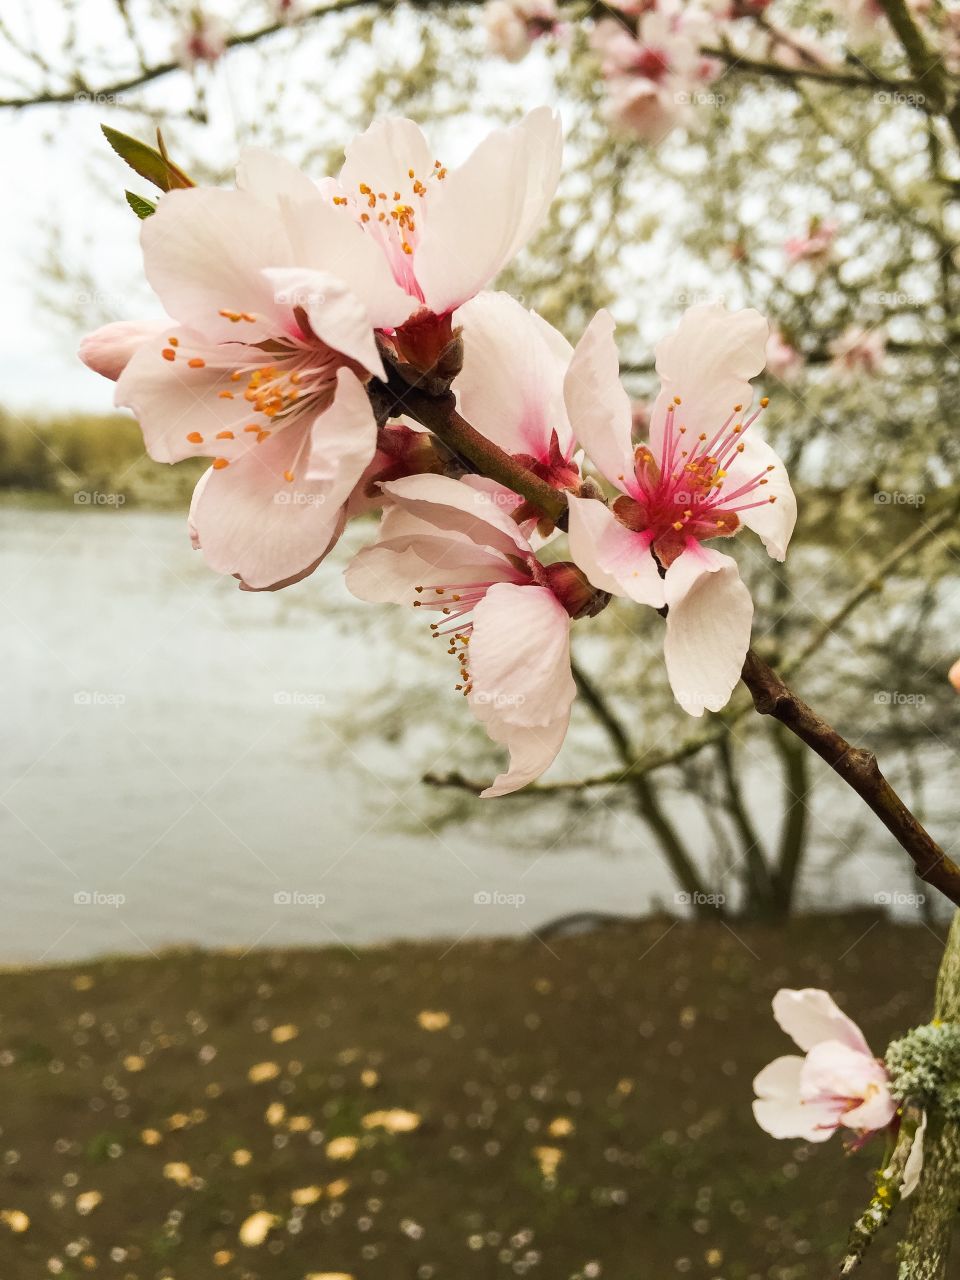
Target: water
(174, 770)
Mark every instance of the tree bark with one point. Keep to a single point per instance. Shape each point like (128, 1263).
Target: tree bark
(925, 1251)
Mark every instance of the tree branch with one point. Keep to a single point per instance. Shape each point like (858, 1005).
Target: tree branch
(858, 769)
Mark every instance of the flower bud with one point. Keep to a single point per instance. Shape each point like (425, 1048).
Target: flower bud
(575, 593)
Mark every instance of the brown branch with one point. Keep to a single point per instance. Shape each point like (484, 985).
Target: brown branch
(858, 769)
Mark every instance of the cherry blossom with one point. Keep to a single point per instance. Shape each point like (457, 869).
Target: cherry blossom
(702, 474)
(445, 233)
(262, 366)
(838, 1084)
(205, 40)
(447, 547)
(513, 25)
(858, 352)
(784, 361)
(816, 247)
(652, 80)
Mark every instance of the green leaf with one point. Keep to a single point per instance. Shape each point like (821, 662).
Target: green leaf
(151, 164)
(141, 207)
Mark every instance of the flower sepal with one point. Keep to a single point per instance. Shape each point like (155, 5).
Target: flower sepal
(575, 593)
(426, 351)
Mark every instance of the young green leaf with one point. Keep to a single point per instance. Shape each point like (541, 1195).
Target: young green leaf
(145, 160)
(140, 206)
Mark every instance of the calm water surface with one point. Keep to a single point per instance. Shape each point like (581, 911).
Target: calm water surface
(174, 771)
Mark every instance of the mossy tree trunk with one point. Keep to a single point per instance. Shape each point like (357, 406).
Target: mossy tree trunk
(926, 1248)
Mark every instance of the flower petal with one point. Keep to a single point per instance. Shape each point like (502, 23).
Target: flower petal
(522, 687)
(483, 212)
(810, 1015)
(774, 521)
(779, 1109)
(324, 238)
(383, 155)
(708, 361)
(337, 317)
(709, 616)
(511, 385)
(449, 505)
(614, 558)
(251, 521)
(914, 1166)
(271, 178)
(204, 251)
(109, 349)
(598, 406)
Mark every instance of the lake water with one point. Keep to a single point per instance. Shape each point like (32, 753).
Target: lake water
(174, 770)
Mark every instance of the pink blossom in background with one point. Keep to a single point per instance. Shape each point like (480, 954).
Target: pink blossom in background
(205, 40)
(448, 548)
(816, 247)
(953, 675)
(837, 1084)
(858, 352)
(651, 80)
(784, 361)
(703, 473)
(513, 25)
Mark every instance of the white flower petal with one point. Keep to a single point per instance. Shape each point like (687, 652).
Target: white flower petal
(597, 404)
(709, 617)
(511, 385)
(614, 558)
(483, 212)
(708, 362)
(810, 1016)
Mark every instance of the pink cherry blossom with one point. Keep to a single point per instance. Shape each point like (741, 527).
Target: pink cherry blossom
(816, 247)
(784, 361)
(109, 349)
(205, 40)
(652, 79)
(511, 385)
(447, 547)
(702, 474)
(263, 364)
(839, 1083)
(513, 25)
(446, 233)
(858, 352)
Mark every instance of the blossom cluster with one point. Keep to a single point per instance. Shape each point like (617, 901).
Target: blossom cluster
(307, 322)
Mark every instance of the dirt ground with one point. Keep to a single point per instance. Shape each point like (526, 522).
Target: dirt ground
(570, 1110)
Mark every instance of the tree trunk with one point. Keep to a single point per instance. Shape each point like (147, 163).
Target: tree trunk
(925, 1250)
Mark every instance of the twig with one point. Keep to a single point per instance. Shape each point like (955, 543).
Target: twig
(886, 1197)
